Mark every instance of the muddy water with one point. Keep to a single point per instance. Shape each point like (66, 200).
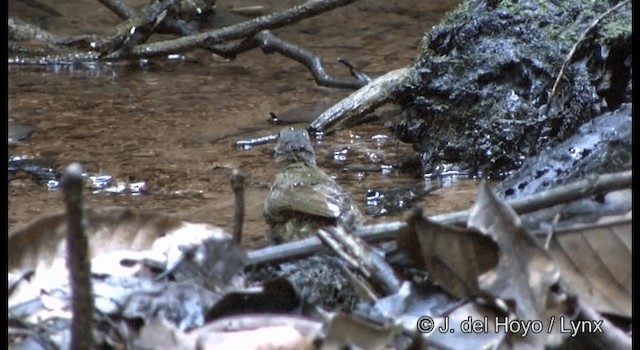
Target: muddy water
(173, 125)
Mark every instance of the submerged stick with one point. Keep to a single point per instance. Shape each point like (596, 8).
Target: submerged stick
(237, 184)
(78, 261)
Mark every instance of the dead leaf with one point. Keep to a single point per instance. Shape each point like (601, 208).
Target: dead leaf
(454, 257)
(595, 261)
(121, 305)
(525, 273)
(117, 237)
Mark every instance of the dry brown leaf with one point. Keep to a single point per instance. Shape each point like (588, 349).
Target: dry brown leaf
(454, 257)
(525, 271)
(595, 261)
(114, 233)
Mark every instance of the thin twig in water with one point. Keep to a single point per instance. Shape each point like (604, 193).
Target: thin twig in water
(78, 261)
(269, 43)
(552, 230)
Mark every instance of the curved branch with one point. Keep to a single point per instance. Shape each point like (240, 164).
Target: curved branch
(237, 31)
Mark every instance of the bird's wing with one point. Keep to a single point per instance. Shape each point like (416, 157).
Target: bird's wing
(303, 190)
(315, 200)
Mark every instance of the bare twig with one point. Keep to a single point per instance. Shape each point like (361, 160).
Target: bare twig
(269, 43)
(285, 251)
(373, 233)
(234, 32)
(172, 25)
(249, 143)
(361, 257)
(136, 30)
(78, 260)
(237, 184)
(573, 50)
(356, 73)
(552, 230)
(591, 185)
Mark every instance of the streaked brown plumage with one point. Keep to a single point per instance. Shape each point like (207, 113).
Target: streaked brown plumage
(303, 198)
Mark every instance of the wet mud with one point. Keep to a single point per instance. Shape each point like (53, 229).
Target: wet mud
(172, 126)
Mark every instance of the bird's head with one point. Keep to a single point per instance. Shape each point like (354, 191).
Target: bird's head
(294, 145)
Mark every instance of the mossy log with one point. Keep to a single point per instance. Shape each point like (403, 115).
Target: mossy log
(481, 96)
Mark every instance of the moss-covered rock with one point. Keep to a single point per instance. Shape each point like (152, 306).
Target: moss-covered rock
(480, 98)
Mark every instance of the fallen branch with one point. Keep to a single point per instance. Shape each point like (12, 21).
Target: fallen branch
(269, 43)
(352, 108)
(139, 26)
(234, 32)
(136, 30)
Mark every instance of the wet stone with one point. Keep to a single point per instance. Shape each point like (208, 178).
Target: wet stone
(600, 146)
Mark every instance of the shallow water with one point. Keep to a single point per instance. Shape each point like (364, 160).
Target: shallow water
(173, 125)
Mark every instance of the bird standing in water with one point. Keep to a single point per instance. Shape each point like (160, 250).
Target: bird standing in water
(303, 198)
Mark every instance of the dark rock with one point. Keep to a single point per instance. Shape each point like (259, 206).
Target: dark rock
(602, 145)
(481, 97)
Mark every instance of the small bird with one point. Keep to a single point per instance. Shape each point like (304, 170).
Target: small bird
(303, 198)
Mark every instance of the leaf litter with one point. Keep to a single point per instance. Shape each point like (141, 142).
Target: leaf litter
(159, 282)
